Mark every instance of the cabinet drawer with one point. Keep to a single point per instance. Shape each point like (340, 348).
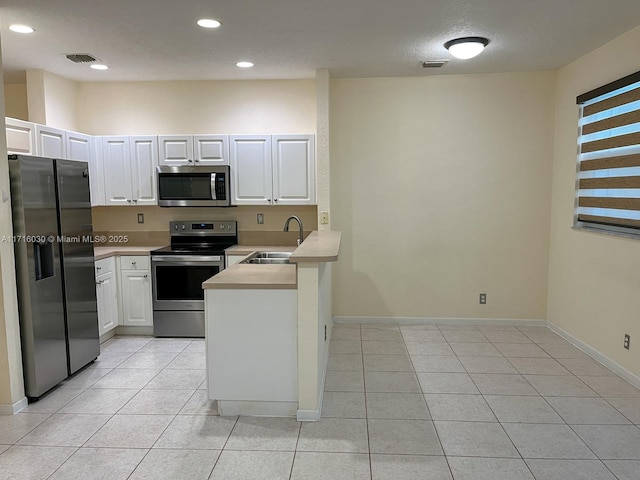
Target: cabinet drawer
(134, 262)
(105, 265)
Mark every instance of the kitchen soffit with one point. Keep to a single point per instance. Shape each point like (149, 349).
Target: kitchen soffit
(290, 39)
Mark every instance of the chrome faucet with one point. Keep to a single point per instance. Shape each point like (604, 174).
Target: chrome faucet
(286, 227)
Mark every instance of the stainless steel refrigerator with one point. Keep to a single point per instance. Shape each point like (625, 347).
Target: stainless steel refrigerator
(54, 268)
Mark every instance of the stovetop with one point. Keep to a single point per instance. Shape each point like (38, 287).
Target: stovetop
(200, 237)
(197, 249)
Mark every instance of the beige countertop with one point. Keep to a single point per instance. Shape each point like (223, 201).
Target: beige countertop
(249, 249)
(319, 246)
(251, 276)
(112, 250)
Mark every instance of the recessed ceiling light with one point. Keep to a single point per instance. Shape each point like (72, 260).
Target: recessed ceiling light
(467, 47)
(99, 66)
(21, 28)
(208, 23)
(244, 64)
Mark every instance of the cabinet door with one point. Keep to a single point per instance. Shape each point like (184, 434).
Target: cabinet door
(96, 174)
(176, 149)
(107, 297)
(79, 146)
(250, 157)
(136, 298)
(144, 160)
(294, 169)
(50, 142)
(116, 160)
(21, 136)
(211, 149)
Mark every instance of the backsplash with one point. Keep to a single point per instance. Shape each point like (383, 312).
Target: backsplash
(117, 222)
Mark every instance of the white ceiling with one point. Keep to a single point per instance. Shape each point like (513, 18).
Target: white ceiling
(288, 39)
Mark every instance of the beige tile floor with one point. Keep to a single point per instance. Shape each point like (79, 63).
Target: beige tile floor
(400, 402)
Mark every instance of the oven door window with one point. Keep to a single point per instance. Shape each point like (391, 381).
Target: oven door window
(182, 282)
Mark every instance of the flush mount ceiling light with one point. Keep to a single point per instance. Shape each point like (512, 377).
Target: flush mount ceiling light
(244, 64)
(208, 23)
(466, 47)
(18, 28)
(99, 66)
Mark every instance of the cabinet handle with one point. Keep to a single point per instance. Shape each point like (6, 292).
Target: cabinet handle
(100, 282)
(133, 262)
(128, 201)
(196, 160)
(189, 160)
(98, 268)
(275, 200)
(146, 276)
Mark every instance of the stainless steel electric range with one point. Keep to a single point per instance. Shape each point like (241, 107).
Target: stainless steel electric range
(196, 253)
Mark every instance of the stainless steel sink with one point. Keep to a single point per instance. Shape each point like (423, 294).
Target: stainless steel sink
(267, 261)
(273, 255)
(268, 258)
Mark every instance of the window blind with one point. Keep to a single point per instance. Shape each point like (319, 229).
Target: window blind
(608, 184)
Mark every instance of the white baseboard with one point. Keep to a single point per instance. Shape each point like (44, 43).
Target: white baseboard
(630, 377)
(12, 409)
(308, 415)
(126, 330)
(442, 320)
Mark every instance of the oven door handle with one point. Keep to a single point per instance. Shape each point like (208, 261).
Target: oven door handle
(213, 186)
(187, 258)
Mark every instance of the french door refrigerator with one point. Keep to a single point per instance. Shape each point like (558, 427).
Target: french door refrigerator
(54, 269)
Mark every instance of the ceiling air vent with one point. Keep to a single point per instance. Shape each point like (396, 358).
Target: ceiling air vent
(81, 58)
(434, 63)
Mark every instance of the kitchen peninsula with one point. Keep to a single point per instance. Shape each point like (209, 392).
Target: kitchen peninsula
(267, 332)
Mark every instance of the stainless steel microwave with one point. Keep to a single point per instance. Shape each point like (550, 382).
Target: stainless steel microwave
(197, 186)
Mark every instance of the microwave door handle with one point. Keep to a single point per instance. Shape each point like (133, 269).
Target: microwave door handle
(213, 186)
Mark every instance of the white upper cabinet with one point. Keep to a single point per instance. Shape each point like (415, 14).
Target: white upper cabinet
(78, 146)
(21, 136)
(116, 161)
(294, 169)
(129, 165)
(50, 142)
(193, 149)
(176, 149)
(211, 149)
(273, 170)
(96, 174)
(251, 173)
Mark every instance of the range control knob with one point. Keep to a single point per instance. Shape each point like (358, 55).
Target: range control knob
(184, 227)
(221, 227)
(175, 227)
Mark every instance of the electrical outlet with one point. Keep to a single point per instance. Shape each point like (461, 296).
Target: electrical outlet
(324, 218)
(260, 218)
(483, 298)
(627, 341)
(141, 218)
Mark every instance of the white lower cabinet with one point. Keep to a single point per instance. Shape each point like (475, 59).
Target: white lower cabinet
(233, 259)
(135, 287)
(107, 295)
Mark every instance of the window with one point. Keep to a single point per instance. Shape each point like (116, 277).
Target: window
(608, 185)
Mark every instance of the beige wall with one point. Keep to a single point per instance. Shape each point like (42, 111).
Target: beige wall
(52, 100)
(594, 279)
(146, 108)
(15, 101)
(441, 187)
(11, 380)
